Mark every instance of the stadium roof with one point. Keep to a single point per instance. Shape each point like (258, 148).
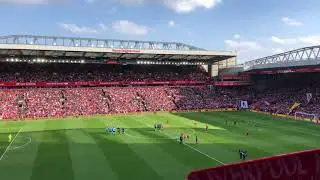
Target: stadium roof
(121, 50)
(307, 56)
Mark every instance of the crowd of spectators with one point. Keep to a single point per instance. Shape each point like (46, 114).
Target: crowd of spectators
(59, 102)
(98, 72)
(281, 100)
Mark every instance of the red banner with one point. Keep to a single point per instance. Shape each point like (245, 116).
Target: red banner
(231, 83)
(100, 83)
(296, 166)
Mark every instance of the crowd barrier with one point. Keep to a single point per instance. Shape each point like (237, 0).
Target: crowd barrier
(303, 165)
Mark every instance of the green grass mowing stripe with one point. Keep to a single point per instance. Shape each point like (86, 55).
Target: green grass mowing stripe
(164, 163)
(193, 148)
(5, 151)
(207, 139)
(125, 163)
(85, 153)
(286, 135)
(182, 153)
(256, 137)
(22, 154)
(53, 160)
(278, 143)
(253, 143)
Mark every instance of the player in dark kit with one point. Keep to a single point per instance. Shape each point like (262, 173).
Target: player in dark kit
(181, 139)
(196, 139)
(243, 154)
(207, 127)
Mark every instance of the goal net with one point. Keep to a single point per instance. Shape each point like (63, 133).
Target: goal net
(312, 117)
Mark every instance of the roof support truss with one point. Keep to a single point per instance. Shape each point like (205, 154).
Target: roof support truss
(99, 43)
(303, 54)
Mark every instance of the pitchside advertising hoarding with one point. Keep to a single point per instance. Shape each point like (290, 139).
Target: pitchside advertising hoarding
(296, 166)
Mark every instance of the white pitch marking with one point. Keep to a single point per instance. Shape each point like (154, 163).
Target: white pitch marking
(23, 145)
(10, 144)
(193, 148)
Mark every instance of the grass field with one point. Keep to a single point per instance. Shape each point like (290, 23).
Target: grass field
(79, 148)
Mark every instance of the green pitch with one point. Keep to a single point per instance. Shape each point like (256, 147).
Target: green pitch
(79, 148)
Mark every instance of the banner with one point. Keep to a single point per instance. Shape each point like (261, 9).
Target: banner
(244, 105)
(294, 106)
(296, 166)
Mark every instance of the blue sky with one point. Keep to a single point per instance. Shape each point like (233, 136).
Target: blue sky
(254, 28)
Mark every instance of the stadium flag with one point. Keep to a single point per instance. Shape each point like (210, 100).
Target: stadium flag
(294, 106)
(309, 97)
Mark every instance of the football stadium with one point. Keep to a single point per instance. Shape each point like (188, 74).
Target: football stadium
(81, 108)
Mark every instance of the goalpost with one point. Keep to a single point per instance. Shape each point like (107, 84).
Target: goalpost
(312, 117)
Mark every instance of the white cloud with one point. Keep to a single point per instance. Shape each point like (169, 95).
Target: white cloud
(28, 1)
(242, 46)
(131, 28)
(185, 6)
(299, 41)
(76, 29)
(171, 23)
(236, 36)
(291, 22)
(179, 6)
(277, 50)
(283, 41)
(310, 40)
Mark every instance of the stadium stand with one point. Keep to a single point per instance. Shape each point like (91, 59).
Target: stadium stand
(33, 88)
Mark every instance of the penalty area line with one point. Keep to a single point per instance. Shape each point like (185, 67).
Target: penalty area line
(189, 146)
(197, 150)
(204, 154)
(5, 151)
